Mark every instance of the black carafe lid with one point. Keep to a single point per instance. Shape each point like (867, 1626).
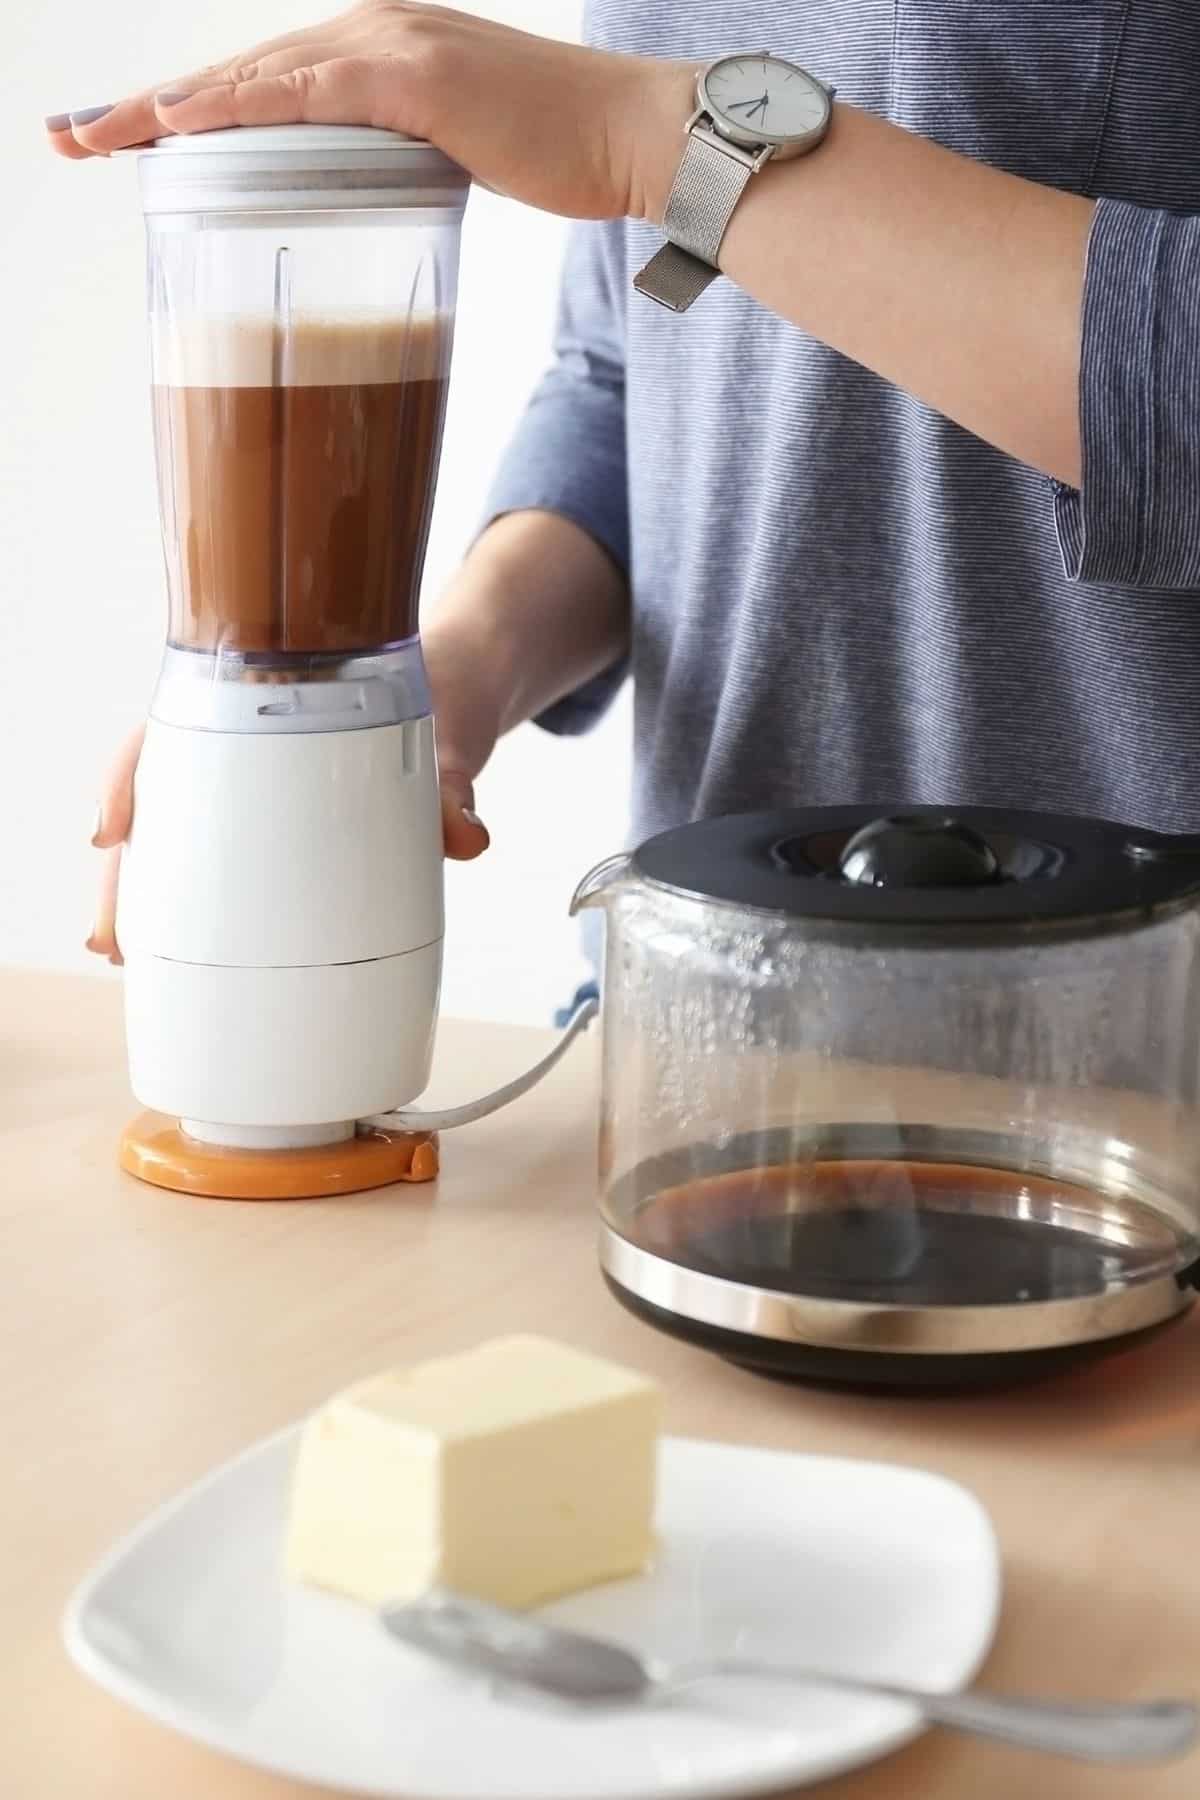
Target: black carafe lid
(927, 866)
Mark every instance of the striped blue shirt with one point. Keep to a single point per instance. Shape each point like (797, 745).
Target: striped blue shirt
(839, 595)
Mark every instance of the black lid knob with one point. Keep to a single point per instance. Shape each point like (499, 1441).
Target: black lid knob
(910, 852)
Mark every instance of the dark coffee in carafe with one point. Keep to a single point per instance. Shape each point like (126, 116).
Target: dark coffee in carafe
(899, 1233)
(296, 477)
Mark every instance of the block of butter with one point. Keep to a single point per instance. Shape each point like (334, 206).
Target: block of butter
(515, 1472)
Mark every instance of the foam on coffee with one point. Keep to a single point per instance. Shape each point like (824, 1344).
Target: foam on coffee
(311, 350)
(296, 474)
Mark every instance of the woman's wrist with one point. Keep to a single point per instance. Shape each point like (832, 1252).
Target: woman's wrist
(650, 118)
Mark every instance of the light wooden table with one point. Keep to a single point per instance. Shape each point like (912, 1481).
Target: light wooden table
(145, 1337)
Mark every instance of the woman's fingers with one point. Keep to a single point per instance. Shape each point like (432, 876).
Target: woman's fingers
(343, 90)
(132, 119)
(464, 832)
(103, 937)
(113, 819)
(116, 800)
(62, 138)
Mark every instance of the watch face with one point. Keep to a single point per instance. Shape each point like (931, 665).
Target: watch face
(758, 99)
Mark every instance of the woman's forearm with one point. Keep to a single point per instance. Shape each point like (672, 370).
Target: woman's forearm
(957, 282)
(536, 609)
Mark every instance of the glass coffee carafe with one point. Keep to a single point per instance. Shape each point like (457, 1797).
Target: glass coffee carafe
(907, 1099)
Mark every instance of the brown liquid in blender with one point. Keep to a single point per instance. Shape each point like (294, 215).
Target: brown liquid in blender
(296, 483)
(899, 1233)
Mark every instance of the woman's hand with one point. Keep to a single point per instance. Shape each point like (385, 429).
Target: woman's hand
(570, 130)
(113, 819)
(460, 757)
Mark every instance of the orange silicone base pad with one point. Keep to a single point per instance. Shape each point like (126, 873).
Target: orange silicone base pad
(155, 1150)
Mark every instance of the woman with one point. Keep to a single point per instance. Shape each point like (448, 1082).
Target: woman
(908, 506)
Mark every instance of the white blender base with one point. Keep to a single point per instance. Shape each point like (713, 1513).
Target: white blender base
(271, 1048)
(320, 849)
(268, 1137)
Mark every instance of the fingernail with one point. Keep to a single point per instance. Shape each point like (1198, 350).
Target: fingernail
(58, 121)
(473, 818)
(89, 115)
(170, 99)
(97, 826)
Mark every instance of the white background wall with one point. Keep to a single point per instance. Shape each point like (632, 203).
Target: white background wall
(81, 585)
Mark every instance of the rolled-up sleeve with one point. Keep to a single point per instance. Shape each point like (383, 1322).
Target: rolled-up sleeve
(568, 453)
(1135, 519)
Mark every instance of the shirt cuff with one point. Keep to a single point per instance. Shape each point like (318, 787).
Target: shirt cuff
(568, 457)
(1135, 520)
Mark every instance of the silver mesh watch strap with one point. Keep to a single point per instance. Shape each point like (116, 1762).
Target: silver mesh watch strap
(674, 278)
(708, 186)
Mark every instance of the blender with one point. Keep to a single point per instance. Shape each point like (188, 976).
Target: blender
(280, 910)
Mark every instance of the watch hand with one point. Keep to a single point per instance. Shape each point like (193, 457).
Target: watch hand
(751, 105)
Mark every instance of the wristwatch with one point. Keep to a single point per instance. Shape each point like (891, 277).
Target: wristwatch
(750, 110)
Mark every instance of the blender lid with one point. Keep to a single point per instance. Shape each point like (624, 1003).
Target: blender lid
(296, 168)
(286, 140)
(926, 866)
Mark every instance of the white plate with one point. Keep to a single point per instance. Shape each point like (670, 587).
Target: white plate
(875, 1570)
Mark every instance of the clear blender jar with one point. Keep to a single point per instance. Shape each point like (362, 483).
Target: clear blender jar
(281, 901)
